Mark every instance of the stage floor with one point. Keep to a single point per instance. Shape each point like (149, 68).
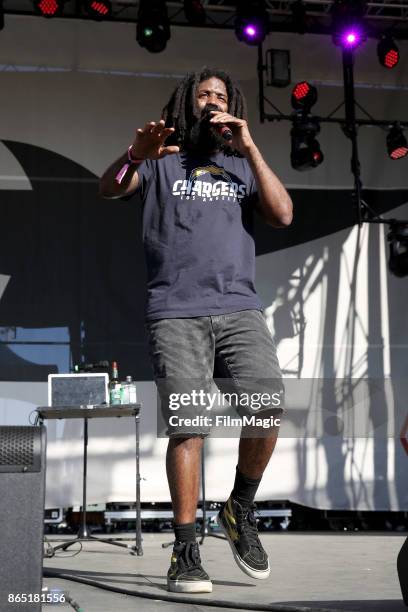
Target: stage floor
(349, 572)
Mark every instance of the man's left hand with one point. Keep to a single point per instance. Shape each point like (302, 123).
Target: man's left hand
(241, 138)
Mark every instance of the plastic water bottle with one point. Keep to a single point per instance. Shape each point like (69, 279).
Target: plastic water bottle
(128, 392)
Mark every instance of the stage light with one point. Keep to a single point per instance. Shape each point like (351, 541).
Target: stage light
(49, 8)
(98, 9)
(398, 258)
(351, 38)
(194, 12)
(396, 143)
(304, 96)
(305, 151)
(388, 52)
(251, 21)
(153, 25)
(278, 67)
(348, 27)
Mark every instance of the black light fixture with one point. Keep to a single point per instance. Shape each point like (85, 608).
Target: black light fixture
(304, 96)
(98, 9)
(49, 8)
(305, 148)
(194, 12)
(251, 21)
(397, 145)
(388, 52)
(348, 26)
(398, 258)
(153, 25)
(278, 67)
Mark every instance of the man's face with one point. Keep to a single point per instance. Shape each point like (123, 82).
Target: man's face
(202, 138)
(212, 91)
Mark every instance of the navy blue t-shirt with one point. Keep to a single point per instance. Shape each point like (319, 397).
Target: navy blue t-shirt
(198, 235)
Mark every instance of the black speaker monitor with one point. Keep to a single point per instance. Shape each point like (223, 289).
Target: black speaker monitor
(22, 499)
(402, 566)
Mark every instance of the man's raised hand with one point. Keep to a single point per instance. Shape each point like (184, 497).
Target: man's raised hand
(149, 141)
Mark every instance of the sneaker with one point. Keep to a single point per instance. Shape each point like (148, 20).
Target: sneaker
(186, 574)
(238, 523)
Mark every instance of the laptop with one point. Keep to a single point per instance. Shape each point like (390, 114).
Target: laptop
(82, 389)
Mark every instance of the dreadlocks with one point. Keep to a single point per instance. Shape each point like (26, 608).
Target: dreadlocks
(180, 111)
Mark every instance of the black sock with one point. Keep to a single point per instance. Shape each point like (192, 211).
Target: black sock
(245, 488)
(185, 532)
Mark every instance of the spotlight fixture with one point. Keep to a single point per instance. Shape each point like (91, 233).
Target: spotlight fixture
(251, 21)
(194, 12)
(396, 142)
(348, 27)
(98, 9)
(388, 52)
(278, 67)
(304, 96)
(305, 152)
(49, 8)
(398, 258)
(153, 25)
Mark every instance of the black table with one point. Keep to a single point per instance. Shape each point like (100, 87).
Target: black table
(98, 412)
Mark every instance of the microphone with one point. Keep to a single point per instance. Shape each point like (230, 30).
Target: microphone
(221, 128)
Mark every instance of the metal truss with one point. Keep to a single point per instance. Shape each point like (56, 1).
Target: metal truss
(380, 15)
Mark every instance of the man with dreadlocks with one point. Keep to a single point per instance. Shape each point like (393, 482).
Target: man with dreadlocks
(203, 314)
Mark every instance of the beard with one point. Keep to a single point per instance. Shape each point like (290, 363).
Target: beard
(201, 138)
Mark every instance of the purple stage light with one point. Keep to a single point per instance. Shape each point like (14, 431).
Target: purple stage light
(250, 31)
(351, 38)
(251, 21)
(349, 29)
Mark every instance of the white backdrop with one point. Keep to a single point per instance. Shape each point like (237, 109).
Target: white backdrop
(81, 90)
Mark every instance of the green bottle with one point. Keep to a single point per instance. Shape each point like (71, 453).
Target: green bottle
(114, 385)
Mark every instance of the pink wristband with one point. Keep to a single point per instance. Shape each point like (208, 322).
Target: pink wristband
(125, 167)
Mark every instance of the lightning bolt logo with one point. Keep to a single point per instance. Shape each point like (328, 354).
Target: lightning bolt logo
(213, 170)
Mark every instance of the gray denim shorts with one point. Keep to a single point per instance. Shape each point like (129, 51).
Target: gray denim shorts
(235, 351)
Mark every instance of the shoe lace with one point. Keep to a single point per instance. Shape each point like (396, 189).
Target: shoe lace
(190, 554)
(246, 522)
